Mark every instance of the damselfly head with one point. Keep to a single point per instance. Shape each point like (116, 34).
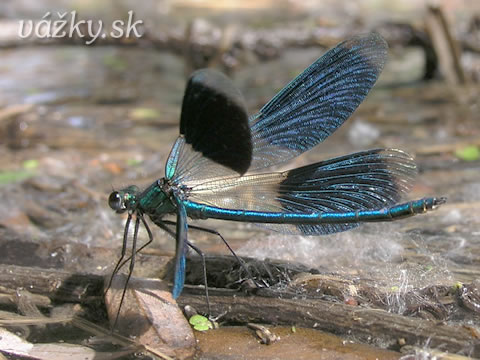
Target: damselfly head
(123, 200)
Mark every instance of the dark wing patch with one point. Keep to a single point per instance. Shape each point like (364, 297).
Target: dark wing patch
(214, 120)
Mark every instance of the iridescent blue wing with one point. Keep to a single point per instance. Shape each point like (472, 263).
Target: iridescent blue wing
(366, 180)
(312, 106)
(300, 116)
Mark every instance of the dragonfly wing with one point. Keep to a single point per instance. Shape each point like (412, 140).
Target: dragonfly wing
(365, 180)
(186, 166)
(217, 139)
(313, 105)
(214, 120)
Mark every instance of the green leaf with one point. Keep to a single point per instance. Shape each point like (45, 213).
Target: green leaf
(469, 153)
(141, 113)
(8, 177)
(200, 323)
(133, 162)
(30, 164)
(197, 319)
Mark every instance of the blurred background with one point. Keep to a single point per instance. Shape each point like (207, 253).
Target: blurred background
(78, 120)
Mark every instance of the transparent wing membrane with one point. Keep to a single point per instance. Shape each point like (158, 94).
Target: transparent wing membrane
(361, 181)
(190, 167)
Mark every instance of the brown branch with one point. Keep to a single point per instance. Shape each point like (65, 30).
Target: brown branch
(445, 45)
(368, 325)
(198, 43)
(363, 323)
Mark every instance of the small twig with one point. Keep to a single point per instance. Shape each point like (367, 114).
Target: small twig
(445, 45)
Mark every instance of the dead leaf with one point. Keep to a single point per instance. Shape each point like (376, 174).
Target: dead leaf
(151, 315)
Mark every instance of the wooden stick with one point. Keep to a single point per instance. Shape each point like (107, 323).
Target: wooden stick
(58, 285)
(368, 325)
(445, 45)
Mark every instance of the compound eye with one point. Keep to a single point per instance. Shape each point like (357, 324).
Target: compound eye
(115, 201)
